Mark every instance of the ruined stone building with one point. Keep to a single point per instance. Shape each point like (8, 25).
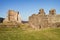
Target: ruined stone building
(12, 17)
(42, 20)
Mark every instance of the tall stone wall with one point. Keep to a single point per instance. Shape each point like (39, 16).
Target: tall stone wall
(41, 20)
(12, 16)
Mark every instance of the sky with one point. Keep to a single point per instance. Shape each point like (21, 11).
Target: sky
(28, 7)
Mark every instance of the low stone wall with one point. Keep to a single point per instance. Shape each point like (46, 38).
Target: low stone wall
(8, 25)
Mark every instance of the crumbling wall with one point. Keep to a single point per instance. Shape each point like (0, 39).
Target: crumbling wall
(41, 20)
(38, 20)
(12, 16)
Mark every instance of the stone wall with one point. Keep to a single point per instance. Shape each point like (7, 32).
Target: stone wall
(12, 16)
(41, 20)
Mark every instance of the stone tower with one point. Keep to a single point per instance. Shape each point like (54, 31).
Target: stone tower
(41, 11)
(52, 12)
(13, 17)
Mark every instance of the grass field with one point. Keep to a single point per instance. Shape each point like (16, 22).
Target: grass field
(29, 34)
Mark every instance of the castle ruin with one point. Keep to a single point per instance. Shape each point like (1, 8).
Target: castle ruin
(36, 21)
(42, 20)
(12, 17)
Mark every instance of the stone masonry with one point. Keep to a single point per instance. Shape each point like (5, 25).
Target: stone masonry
(42, 20)
(12, 17)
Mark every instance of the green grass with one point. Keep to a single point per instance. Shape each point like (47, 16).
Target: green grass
(29, 34)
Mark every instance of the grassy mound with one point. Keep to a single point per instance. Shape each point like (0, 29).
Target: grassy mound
(19, 34)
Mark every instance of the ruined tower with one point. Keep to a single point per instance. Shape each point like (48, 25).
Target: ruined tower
(12, 17)
(52, 12)
(41, 12)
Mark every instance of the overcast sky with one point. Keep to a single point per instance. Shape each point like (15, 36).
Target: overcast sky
(28, 7)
